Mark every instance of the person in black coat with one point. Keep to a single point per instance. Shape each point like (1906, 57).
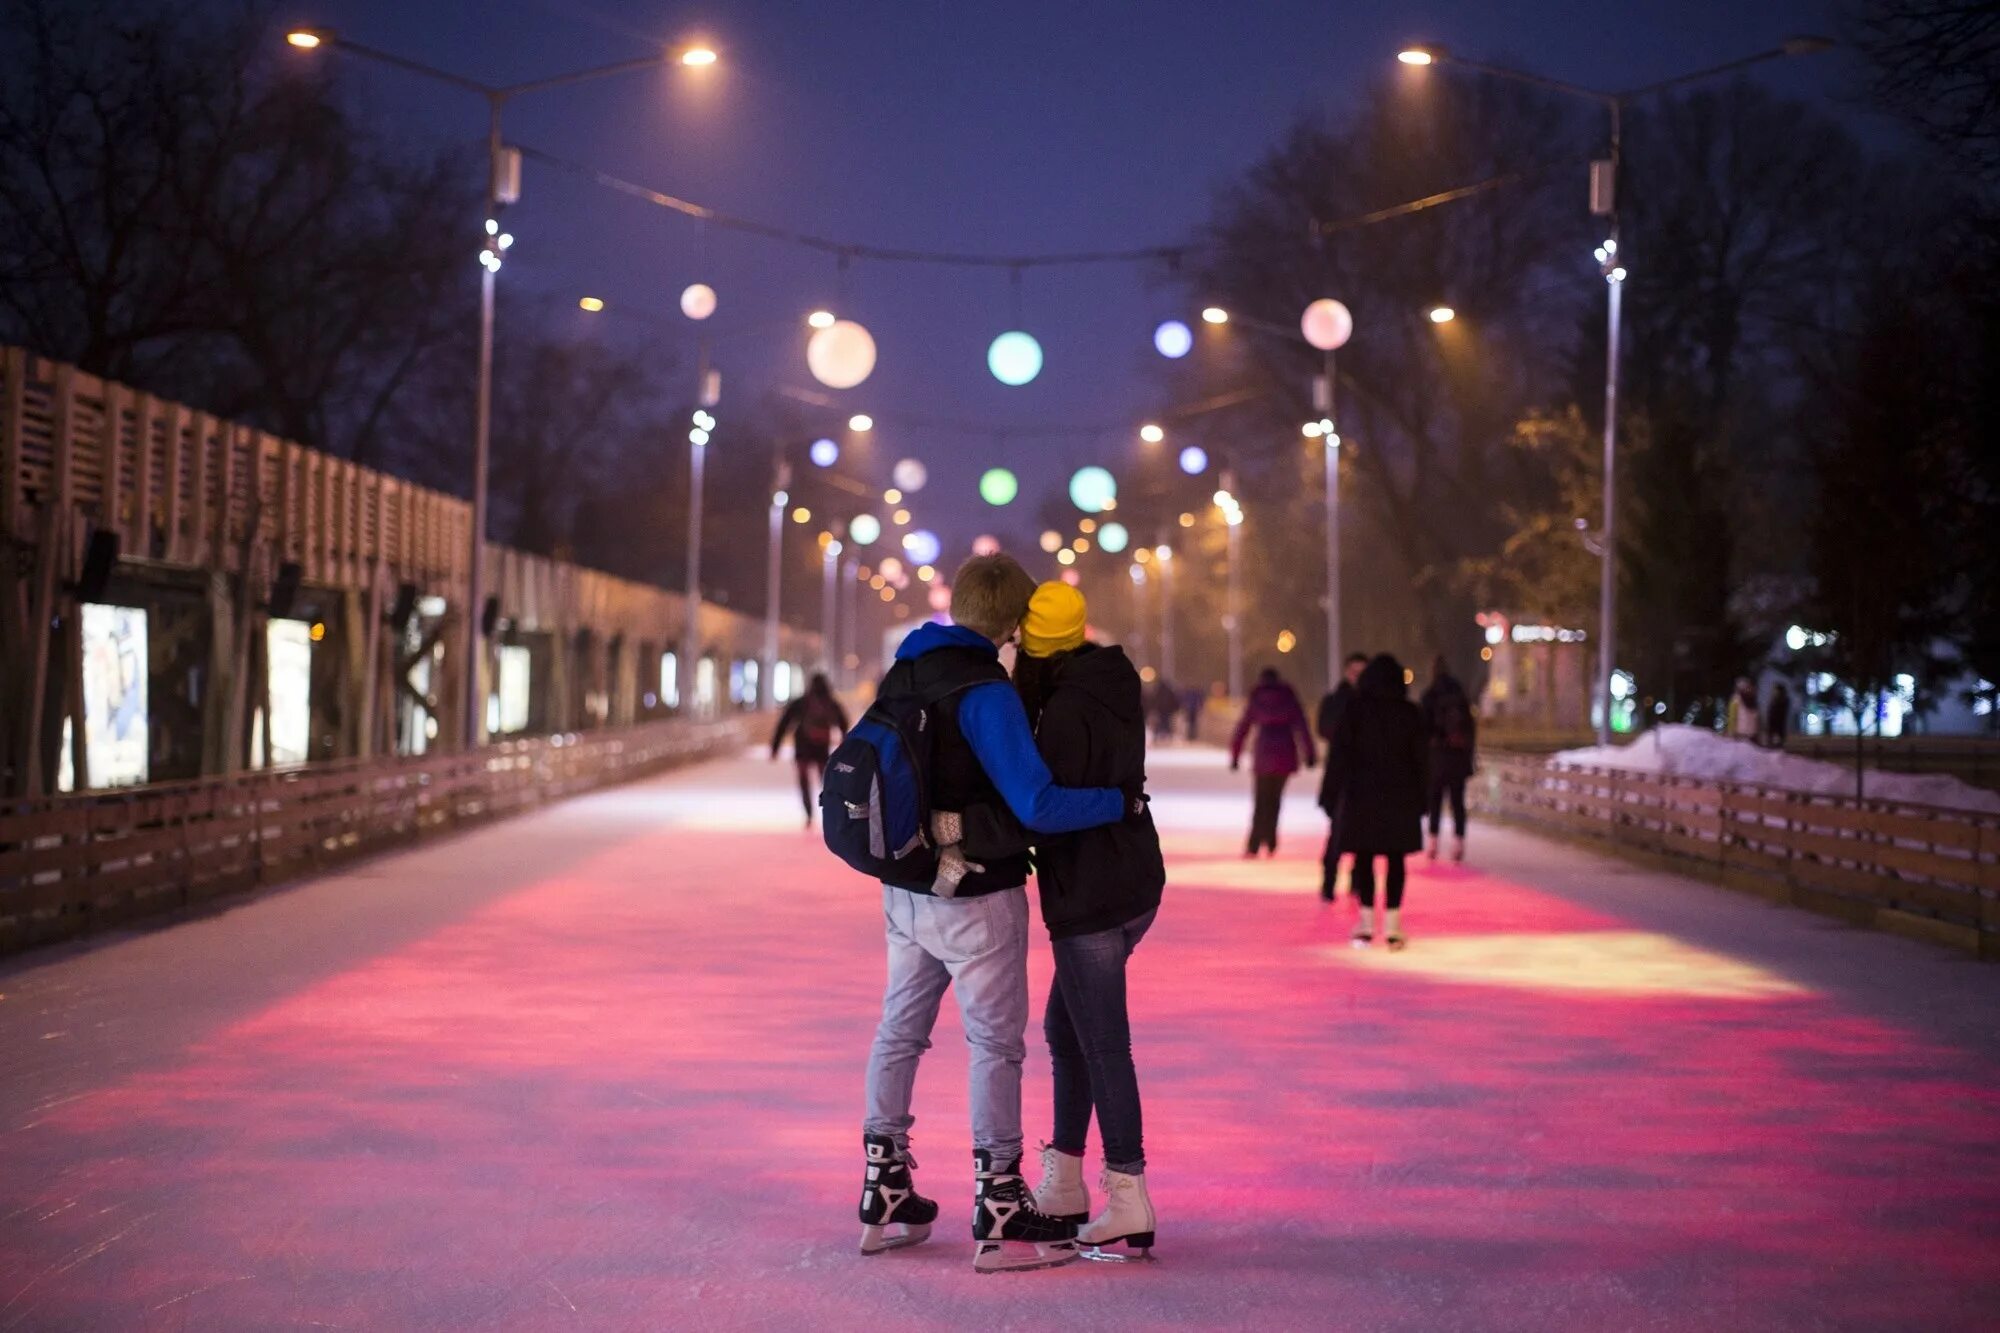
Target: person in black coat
(1330, 709)
(1375, 791)
(1454, 735)
(1100, 891)
(811, 719)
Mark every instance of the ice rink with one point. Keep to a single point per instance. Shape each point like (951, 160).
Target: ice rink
(600, 1068)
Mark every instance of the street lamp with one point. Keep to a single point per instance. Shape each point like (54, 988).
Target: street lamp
(503, 187)
(1613, 264)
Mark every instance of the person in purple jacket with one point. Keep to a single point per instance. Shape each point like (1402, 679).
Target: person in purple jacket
(1283, 739)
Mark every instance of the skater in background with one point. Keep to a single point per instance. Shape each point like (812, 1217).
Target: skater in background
(811, 719)
(1375, 786)
(1453, 730)
(1164, 702)
(1330, 709)
(1778, 717)
(1193, 700)
(1741, 721)
(1100, 890)
(1283, 739)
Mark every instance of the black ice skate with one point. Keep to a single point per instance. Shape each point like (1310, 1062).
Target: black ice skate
(893, 1214)
(1009, 1233)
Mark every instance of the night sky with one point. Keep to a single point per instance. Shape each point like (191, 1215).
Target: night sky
(1032, 126)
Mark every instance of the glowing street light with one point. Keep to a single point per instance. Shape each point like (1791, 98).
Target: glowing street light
(591, 303)
(1151, 434)
(861, 423)
(1442, 314)
(503, 187)
(1612, 266)
(820, 319)
(1215, 314)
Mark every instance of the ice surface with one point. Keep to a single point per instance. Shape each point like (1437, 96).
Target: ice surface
(600, 1068)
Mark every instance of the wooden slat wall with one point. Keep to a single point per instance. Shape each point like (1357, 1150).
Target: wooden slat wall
(74, 864)
(182, 486)
(1918, 870)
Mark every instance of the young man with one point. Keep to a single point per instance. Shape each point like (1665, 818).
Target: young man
(969, 929)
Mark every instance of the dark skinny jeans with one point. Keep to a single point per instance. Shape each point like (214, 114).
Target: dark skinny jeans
(1363, 879)
(1090, 1041)
(1442, 786)
(1268, 800)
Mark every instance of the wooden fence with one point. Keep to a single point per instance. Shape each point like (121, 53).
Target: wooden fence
(1923, 871)
(70, 865)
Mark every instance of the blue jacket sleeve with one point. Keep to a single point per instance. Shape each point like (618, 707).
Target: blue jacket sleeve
(994, 724)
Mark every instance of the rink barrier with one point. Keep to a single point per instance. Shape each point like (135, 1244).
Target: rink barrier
(1927, 872)
(73, 865)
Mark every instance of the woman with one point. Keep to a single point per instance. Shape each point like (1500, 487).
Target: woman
(812, 718)
(1282, 737)
(1375, 791)
(1100, 890)
(1454, 733)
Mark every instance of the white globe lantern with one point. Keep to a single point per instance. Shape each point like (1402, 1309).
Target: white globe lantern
(910, 475)
(1091, 489)
(698, 301)
(825, 453)
(1015, 358)
(841, 355)
(1327, 324)
(865, 529)
(1173, 339)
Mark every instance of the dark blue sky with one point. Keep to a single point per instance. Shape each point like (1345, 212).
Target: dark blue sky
(1028, 126)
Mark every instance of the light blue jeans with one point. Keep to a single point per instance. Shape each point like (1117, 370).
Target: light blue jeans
(979, 946)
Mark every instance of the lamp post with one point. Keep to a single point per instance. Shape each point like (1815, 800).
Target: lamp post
(1163, 559)
(774, 572)
(1326, 325)
(829, 607)
(1232, 619)
(1613, 265)
(850, 620)
(503, 187)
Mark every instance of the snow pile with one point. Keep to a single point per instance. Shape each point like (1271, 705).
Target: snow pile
(1696, 752)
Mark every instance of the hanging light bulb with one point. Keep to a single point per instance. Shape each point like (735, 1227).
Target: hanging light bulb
(1015, 358)
(1326, 324)
(841, 355)
(999, 487)
(698, 301)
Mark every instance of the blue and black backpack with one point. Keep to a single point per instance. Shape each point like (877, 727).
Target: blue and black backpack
(875, 804)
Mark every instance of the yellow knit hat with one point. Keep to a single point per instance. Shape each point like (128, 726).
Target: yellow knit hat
(1055, 621)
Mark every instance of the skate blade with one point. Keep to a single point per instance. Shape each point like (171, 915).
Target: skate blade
(1397, 945)
(1359, 942)
(1007, 1256)
(1099, 1254)
(876, 1240)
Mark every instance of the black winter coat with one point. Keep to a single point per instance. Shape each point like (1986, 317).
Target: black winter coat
(1448, 709)
(1331, 707)
(1375, 770)
(1092, 733)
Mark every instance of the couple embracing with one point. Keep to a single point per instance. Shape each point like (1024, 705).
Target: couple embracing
(1054, 759)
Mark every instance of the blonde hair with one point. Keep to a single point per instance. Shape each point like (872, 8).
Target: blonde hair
(989, 595)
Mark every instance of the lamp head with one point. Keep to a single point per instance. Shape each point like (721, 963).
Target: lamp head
(308, 39)
(1421, 54)
(1805, 44)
